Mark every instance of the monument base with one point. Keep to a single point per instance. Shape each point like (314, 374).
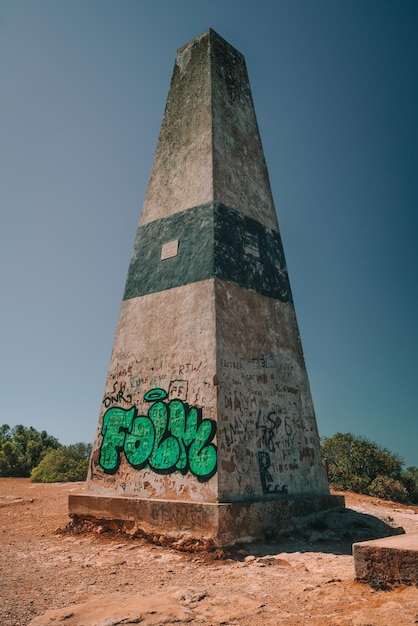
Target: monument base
(212, 524)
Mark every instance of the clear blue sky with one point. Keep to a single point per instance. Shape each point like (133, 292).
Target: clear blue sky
(83, 85)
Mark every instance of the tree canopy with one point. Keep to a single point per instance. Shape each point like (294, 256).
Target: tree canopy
(22, 448)
(25, 452)
(65, 464)
(359, 465)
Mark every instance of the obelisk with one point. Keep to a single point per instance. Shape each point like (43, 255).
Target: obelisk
(207, 427)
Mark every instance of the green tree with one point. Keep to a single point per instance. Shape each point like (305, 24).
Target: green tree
(9, 460)
(355, 462)
(4, 433)
(65, 464)
(21, 449)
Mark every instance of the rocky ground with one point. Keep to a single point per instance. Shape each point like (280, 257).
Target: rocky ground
(51, 577)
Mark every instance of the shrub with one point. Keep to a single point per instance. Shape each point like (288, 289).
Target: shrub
(388, 489)
(409, 480)
(354, 462)
(357, 484)
(66, 464)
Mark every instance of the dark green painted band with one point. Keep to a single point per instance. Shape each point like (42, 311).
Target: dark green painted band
(213, 241)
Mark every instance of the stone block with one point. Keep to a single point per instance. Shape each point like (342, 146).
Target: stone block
(212, 524)
(388, 561)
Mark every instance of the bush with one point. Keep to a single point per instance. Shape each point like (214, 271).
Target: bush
(388, 489)
(409, 480)
(66, 464)
(354, 462)
(357, 484)
(359, 465)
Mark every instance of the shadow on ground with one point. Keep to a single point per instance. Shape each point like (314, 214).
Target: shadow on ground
(331, 532)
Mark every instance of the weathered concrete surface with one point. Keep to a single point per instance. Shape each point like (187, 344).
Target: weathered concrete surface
(242, 367)
(388, 561)
(164, 341)
(267, 434)
(209, 146)
(211, 524)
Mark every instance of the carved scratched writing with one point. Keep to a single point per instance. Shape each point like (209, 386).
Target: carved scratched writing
(118, 395)
(172, 436)
(181, 515)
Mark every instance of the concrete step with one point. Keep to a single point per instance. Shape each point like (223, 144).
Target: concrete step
(388, 561)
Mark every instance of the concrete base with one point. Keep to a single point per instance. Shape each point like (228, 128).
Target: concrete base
(217, 524)
(388, 561)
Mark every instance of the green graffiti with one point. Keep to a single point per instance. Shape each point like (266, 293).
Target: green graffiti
(116, 422)
(155, 394)
(139, 442)
(171, 437)
(166, 447)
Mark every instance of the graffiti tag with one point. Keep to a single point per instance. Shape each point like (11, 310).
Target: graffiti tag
(118, 395)
(172, 436)
(268, 425)
(267, 482)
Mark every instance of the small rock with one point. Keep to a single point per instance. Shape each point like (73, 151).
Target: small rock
(249, 559)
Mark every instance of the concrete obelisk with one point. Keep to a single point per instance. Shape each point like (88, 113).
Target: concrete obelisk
(207, 428)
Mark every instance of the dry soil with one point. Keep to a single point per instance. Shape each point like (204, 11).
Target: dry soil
(50, 576)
